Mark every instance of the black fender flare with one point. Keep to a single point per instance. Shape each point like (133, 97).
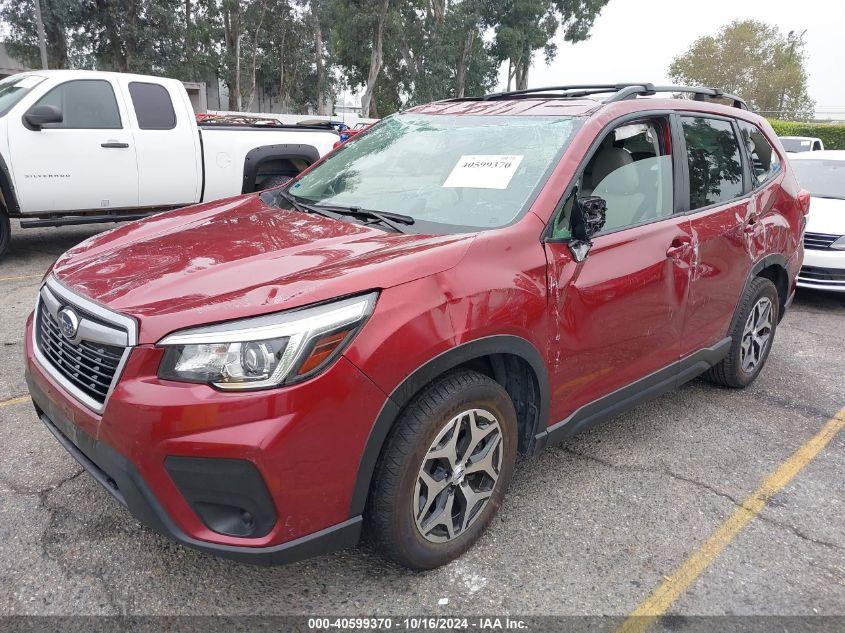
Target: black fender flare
(7, 186)
(256, 156)
(774, 259)
(411, 385)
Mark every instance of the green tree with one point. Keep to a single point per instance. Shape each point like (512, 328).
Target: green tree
(402, 52)
(523, 27)
(476, 68)
(362, 30)
(443, 53)
(292, 60)
(60, 18)
(753, 60)
(406, 52)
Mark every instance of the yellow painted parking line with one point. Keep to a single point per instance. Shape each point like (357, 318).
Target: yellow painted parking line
(21, 277)
(11, 401)
(671, 589)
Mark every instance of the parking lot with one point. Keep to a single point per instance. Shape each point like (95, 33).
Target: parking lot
(591, 527)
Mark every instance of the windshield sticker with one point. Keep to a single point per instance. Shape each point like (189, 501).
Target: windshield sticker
(483, 171)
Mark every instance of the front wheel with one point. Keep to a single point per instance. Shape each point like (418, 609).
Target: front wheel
(752, 334)
(444, 472)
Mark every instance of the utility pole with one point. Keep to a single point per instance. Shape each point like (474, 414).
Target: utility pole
(42, 42)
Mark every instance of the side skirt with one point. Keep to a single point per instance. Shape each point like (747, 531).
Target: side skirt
(642, 390)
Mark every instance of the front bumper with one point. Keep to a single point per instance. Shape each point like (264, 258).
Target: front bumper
(823, 269)
(305, 441)
(120, 478)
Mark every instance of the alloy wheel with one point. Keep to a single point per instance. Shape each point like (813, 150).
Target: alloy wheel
(756, 336)
(458, 475)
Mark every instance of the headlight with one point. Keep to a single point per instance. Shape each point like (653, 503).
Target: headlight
(265, 351)
(839, 244)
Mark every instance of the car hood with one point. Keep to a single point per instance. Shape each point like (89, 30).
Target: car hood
(241, 257)
(826, 216)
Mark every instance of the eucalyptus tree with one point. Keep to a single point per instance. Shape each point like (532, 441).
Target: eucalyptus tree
(524, 27)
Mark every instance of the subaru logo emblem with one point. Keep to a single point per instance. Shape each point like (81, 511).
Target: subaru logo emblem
(68, 322)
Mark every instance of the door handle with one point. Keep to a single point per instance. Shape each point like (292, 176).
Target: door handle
(114, 145)
(678, 247)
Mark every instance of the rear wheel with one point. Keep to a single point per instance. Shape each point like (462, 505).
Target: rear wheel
(5, 233)
(753, 333)
(444, 472)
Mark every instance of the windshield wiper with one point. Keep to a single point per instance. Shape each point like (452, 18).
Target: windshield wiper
(388, 218)
(391, 220)
(305, 208)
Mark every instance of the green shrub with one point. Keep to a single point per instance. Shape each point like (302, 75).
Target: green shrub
(831, 134)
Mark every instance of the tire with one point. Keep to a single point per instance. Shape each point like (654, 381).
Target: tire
(275, 181)
(448, 409)
(734, 370)
(5, 233)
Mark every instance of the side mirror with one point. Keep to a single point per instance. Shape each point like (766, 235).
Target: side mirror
(41, 115)
(588, 217)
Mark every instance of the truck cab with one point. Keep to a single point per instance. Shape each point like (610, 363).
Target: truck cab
(79, 146)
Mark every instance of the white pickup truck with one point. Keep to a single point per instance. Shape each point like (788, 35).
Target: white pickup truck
(84, 146)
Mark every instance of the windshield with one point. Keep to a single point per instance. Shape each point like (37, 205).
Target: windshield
(448, 172)
(822, 178)
(12, 90)
(796, 144)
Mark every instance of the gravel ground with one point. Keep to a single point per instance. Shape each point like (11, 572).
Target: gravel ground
(590, 527)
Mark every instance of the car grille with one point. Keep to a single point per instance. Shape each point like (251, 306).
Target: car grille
(90, 367)
(819, 241)
(824, 276)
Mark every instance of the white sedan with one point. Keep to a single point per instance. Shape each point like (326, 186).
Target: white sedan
(823, 175)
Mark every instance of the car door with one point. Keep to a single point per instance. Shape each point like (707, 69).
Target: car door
(617, 315)
(86, 162)
(725, 223)
(166, 140)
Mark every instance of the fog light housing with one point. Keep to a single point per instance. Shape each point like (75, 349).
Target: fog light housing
(228, 495)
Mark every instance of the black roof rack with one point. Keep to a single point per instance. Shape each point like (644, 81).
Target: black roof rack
(620, 92)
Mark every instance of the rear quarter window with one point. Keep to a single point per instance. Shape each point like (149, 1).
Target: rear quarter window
(764, 160)
(153, 107)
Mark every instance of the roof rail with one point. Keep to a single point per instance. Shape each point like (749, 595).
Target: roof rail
(620, 92)
(699, 93)
(572, 91)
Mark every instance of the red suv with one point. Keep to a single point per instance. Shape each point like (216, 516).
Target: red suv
(368, 347)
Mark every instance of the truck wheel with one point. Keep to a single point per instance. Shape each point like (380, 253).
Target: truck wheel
(752, 334)
(444, 471)
(5, 233)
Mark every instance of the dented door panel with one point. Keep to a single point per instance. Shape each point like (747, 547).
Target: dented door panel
(720, 266)
(617, 316)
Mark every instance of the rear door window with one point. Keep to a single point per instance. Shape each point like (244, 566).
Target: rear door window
(715, 167)
(153, 107)
(85, 104)
(765, 162)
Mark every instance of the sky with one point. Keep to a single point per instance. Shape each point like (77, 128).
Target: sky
(635, 41)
